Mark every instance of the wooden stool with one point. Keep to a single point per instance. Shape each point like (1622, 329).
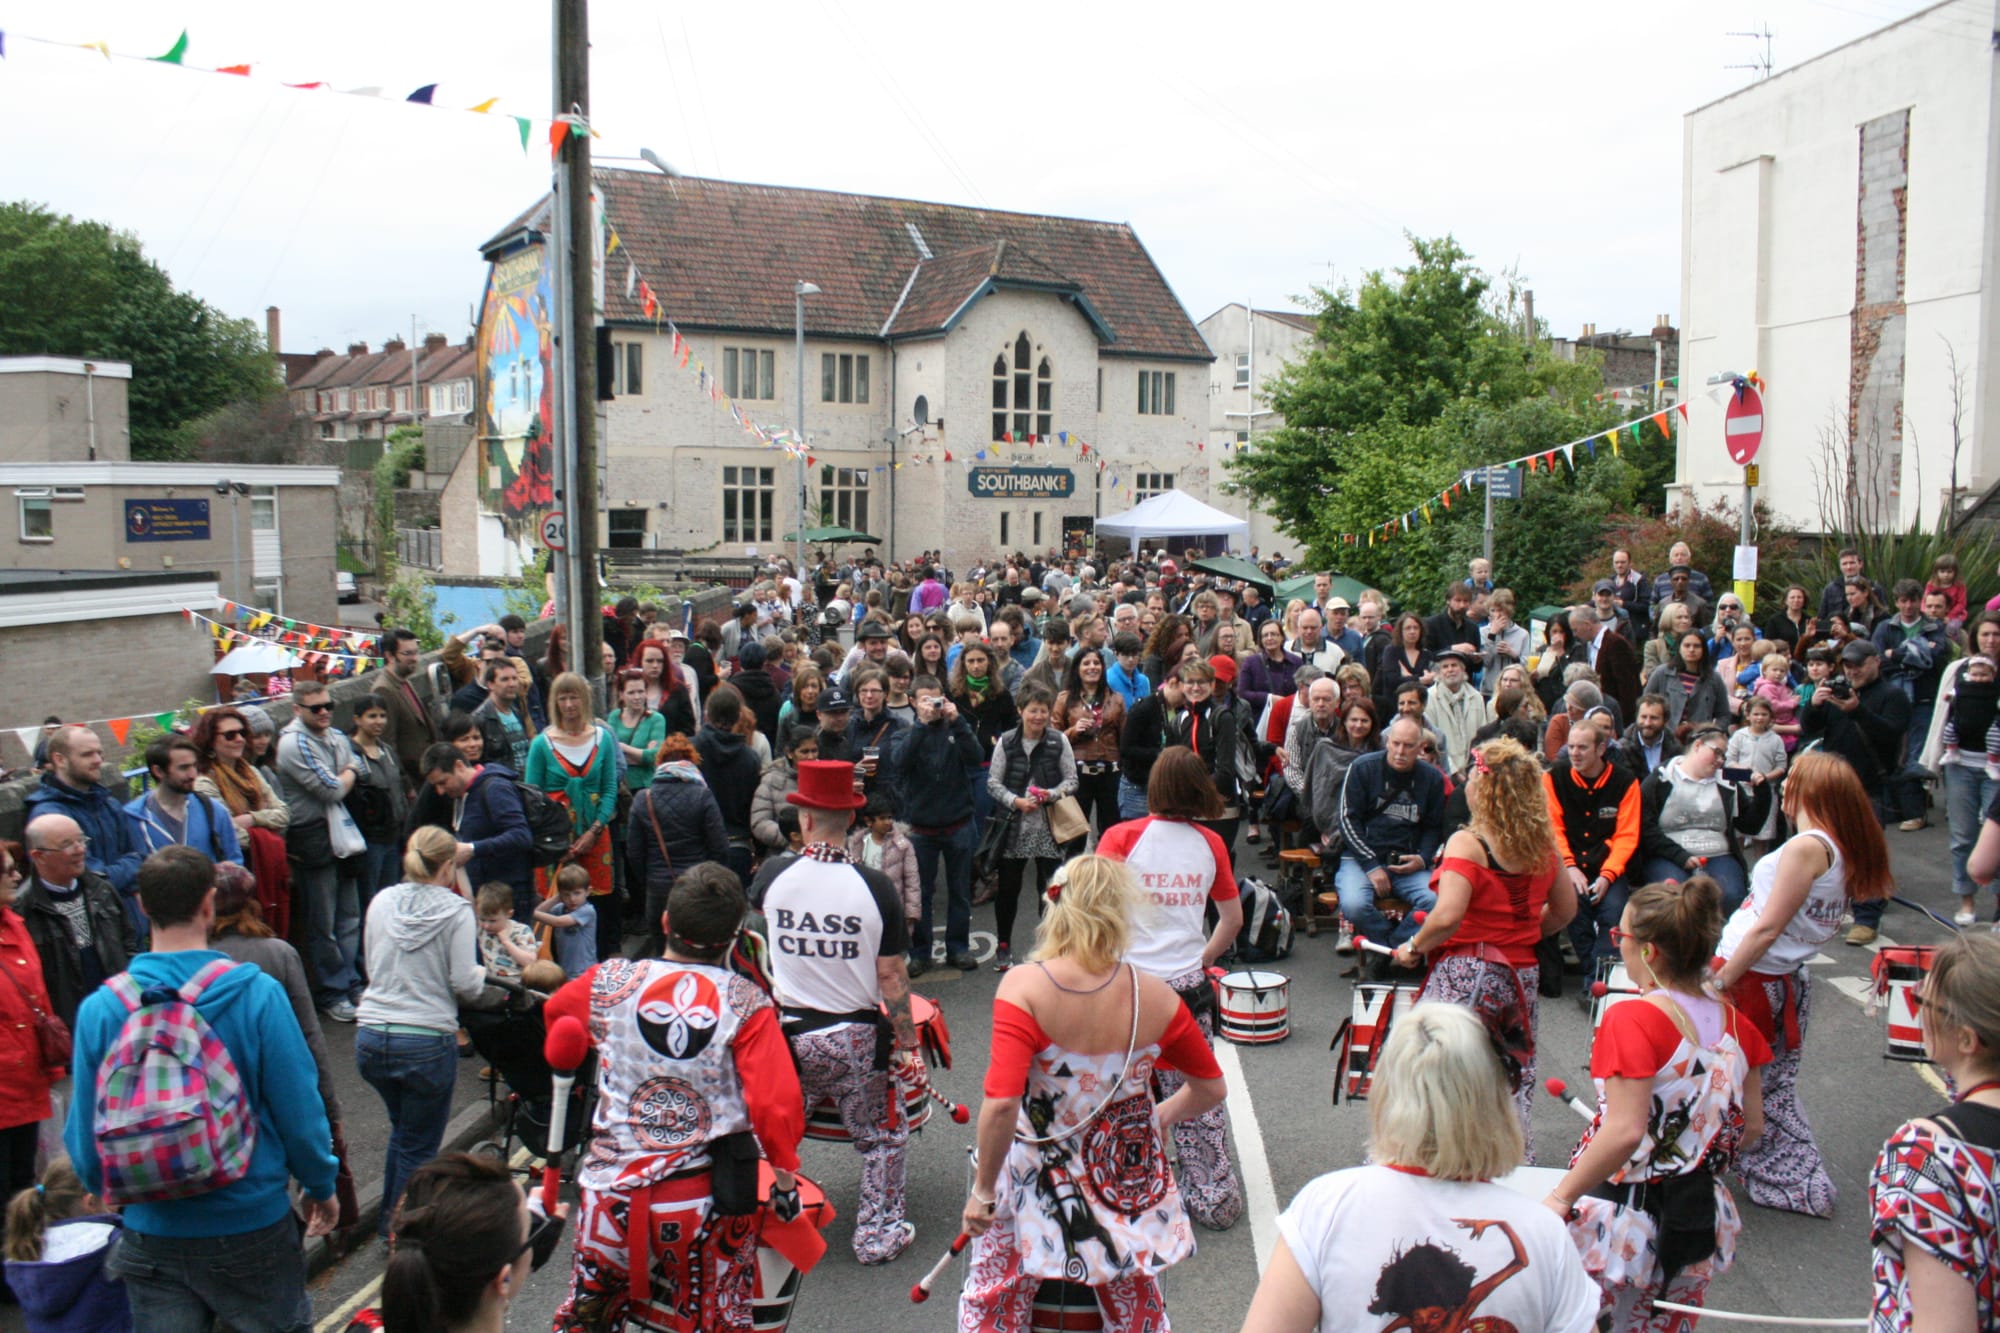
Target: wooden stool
(1300, 864)
(1390, 906)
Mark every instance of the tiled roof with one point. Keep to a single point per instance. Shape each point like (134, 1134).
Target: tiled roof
(451, 363)
(1294, 318)
(322, 373)
(724, 255)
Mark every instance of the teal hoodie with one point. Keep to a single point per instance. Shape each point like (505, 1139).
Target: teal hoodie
(250, 1013)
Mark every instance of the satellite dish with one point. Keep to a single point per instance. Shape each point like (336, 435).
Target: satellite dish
(921, 410)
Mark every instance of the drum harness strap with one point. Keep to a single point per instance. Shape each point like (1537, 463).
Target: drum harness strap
(797, 1022)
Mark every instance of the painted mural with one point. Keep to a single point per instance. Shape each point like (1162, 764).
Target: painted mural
(517, 414)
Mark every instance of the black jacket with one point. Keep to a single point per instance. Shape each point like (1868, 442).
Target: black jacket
(1588, 816)
(1441, 632)
(1212, 733)
(934, 763)
(990, 720)
(690, 827)
(760, 692)
(1870, 738)
(732, 771)
(1142, 737)
(111, 933)
(882, 733)
(1741, 817)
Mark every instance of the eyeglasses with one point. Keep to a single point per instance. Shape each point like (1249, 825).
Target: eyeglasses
(236, 734)
(1618, 936)
(80, 843)
(316, 708)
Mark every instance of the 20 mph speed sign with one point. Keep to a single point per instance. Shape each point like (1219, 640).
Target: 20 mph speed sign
(1743, 423)
(555, 530)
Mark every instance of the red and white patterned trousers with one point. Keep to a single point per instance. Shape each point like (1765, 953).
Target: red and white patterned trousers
(836, 1063)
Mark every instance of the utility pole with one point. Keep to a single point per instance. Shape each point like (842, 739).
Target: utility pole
(576, 258)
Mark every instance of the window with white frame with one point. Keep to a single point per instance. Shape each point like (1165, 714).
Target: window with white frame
(1156, 393)
(402, 399)
(461, 396)
(749, 499)
(343, 400)
(843, 497)
(843, 377)
(628, 378)
(749, 372)
(38, 515)
(264, 509)
(1023, 392)
(440, 400)
(1243, 370)
(1146, 485)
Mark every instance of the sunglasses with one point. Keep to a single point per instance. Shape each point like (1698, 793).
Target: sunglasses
(543, 1234)
(235, 734)
(316, 708)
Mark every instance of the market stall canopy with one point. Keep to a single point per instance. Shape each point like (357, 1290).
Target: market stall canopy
(1302, 588)
(1237, 568)
(830, 536)
(1171, 514)
(256, 659)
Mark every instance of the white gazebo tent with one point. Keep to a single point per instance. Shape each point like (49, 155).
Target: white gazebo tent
(1172, 514)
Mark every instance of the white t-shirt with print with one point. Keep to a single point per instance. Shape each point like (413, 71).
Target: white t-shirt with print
(1376, 1245)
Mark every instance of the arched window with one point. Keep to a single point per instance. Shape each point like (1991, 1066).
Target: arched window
(1023, 392)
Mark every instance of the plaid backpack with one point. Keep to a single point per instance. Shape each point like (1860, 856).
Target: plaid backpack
(171, 1119)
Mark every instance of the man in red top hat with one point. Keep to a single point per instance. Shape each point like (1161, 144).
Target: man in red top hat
(837, 943)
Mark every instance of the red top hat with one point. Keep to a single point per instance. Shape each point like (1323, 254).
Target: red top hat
(826, 784)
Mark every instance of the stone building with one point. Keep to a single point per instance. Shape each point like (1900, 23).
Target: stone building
(966, 372)
(1838, 237)
(1239, 406)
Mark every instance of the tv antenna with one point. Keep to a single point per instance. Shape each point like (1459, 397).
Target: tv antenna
(1761, 64)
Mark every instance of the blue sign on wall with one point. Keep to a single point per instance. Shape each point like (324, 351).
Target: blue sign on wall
(166, 520)
(1021, 483)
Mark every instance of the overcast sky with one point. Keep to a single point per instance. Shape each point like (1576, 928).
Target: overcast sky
(1258, 147)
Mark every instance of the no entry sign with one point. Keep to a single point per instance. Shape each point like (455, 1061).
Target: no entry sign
(1743, 423)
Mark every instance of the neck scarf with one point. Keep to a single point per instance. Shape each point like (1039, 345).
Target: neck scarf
(239, 787)
(679, 770)
(977, 683)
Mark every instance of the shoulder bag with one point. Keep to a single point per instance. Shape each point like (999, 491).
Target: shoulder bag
(51, 1033)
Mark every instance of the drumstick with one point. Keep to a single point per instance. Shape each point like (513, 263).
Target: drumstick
(1600, 989)
(922, 1291)
(1371, 946)
(1560, 1091)
(956, 1110)
(565, 1047)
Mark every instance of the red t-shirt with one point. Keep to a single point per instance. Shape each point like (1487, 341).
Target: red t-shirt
(1505, 910)
(1017, 1036)
(1637, 1038)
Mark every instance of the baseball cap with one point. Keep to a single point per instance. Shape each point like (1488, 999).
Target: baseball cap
(834, 700)
(1857, 650)
(1604, 585)
(1337, 604)
(874, 629)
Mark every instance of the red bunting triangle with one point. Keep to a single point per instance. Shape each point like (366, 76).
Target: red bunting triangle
(244, 71)
(558, 131)
(1684, 411)
(121, 727)
(1660, 420)
(947, 455)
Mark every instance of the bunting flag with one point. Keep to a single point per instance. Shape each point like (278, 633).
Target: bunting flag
(480, 109)
(558, 131)
(525, 126)
(424, 94)
(179, 49)
(121, 727)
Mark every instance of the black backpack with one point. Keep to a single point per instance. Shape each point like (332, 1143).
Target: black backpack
(548, 822)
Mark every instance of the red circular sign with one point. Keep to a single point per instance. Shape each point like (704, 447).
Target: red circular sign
(1743, 423)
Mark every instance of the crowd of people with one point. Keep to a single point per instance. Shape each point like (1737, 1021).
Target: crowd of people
(729, 864)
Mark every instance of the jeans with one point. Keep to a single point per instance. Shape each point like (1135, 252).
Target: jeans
(333, 927)
(1967, 793)
(956, 850)
(1724, 869)
(415, 1076)
(1131, 799)
(254, 1281)
(1357, 901)
(1590, 928)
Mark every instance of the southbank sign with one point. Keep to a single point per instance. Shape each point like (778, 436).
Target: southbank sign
(1021, 483)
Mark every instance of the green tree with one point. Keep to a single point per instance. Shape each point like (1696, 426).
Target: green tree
(78, 288)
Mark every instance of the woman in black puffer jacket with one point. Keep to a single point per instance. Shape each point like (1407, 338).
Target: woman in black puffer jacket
(674, 824)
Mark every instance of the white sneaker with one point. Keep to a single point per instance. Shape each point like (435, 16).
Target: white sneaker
(340, 1011)
(1344, 943)
(1964, 916)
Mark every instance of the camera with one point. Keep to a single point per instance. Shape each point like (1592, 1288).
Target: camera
(1839, 687)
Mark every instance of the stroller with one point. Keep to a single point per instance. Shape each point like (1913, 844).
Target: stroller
(505, 1025)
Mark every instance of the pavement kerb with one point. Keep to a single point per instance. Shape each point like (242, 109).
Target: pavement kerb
(468, 1127)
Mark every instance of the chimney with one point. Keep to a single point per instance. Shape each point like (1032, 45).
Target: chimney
(357, 349)
(434, 342)
(1663, 327)
(393, 346)
(1589, 331)
(322, 354)
(271, 330)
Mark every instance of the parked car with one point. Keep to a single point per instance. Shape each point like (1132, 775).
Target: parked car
(344, 586)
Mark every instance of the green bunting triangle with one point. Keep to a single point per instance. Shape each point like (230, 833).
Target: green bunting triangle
(164, 721)
(521, 123)
(173, 57)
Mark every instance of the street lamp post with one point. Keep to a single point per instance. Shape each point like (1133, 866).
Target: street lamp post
(800, 291)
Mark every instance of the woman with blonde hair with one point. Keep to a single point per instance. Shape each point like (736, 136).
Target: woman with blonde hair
(575, 760)
(422, 963)
(1678, 1093)
(1077, 1034)
(1422, 1233)
(1499, 892)
(1934, 1240)
(1673, 620)
(1798, 895)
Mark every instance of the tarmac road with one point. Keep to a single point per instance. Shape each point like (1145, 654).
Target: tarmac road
(1287, 1132)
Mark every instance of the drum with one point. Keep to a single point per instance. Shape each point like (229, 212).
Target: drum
(909, 1071)
(1618, 988)
(778, 1280)
(1065, 1307)
(1377, 1006)
(1254, 1009)
(1536, 1182)
(1897, 970)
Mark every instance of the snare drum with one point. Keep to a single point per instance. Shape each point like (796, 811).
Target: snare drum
(1618, 987)
(1254, 1007)
(1536, 1182)
(1897, 971)
(1065, 1307)
(910, 1075)
(1377, 1006)
(777, 1289)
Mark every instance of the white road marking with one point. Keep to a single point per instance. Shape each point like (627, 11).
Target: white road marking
(1260, 1194)
(1858, 989)
(1819, 960)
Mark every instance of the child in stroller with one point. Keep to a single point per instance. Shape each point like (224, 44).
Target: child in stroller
(505, 1025)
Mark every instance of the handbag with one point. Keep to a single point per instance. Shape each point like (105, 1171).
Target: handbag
(50, 1032)
(992, 840)
(1067, 822)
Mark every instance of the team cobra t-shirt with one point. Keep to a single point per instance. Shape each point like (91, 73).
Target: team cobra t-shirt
(1178, 867)
(1378, 1246)
(828, 921)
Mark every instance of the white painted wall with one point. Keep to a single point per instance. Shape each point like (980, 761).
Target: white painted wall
(1770, 180)
(1228, 333)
